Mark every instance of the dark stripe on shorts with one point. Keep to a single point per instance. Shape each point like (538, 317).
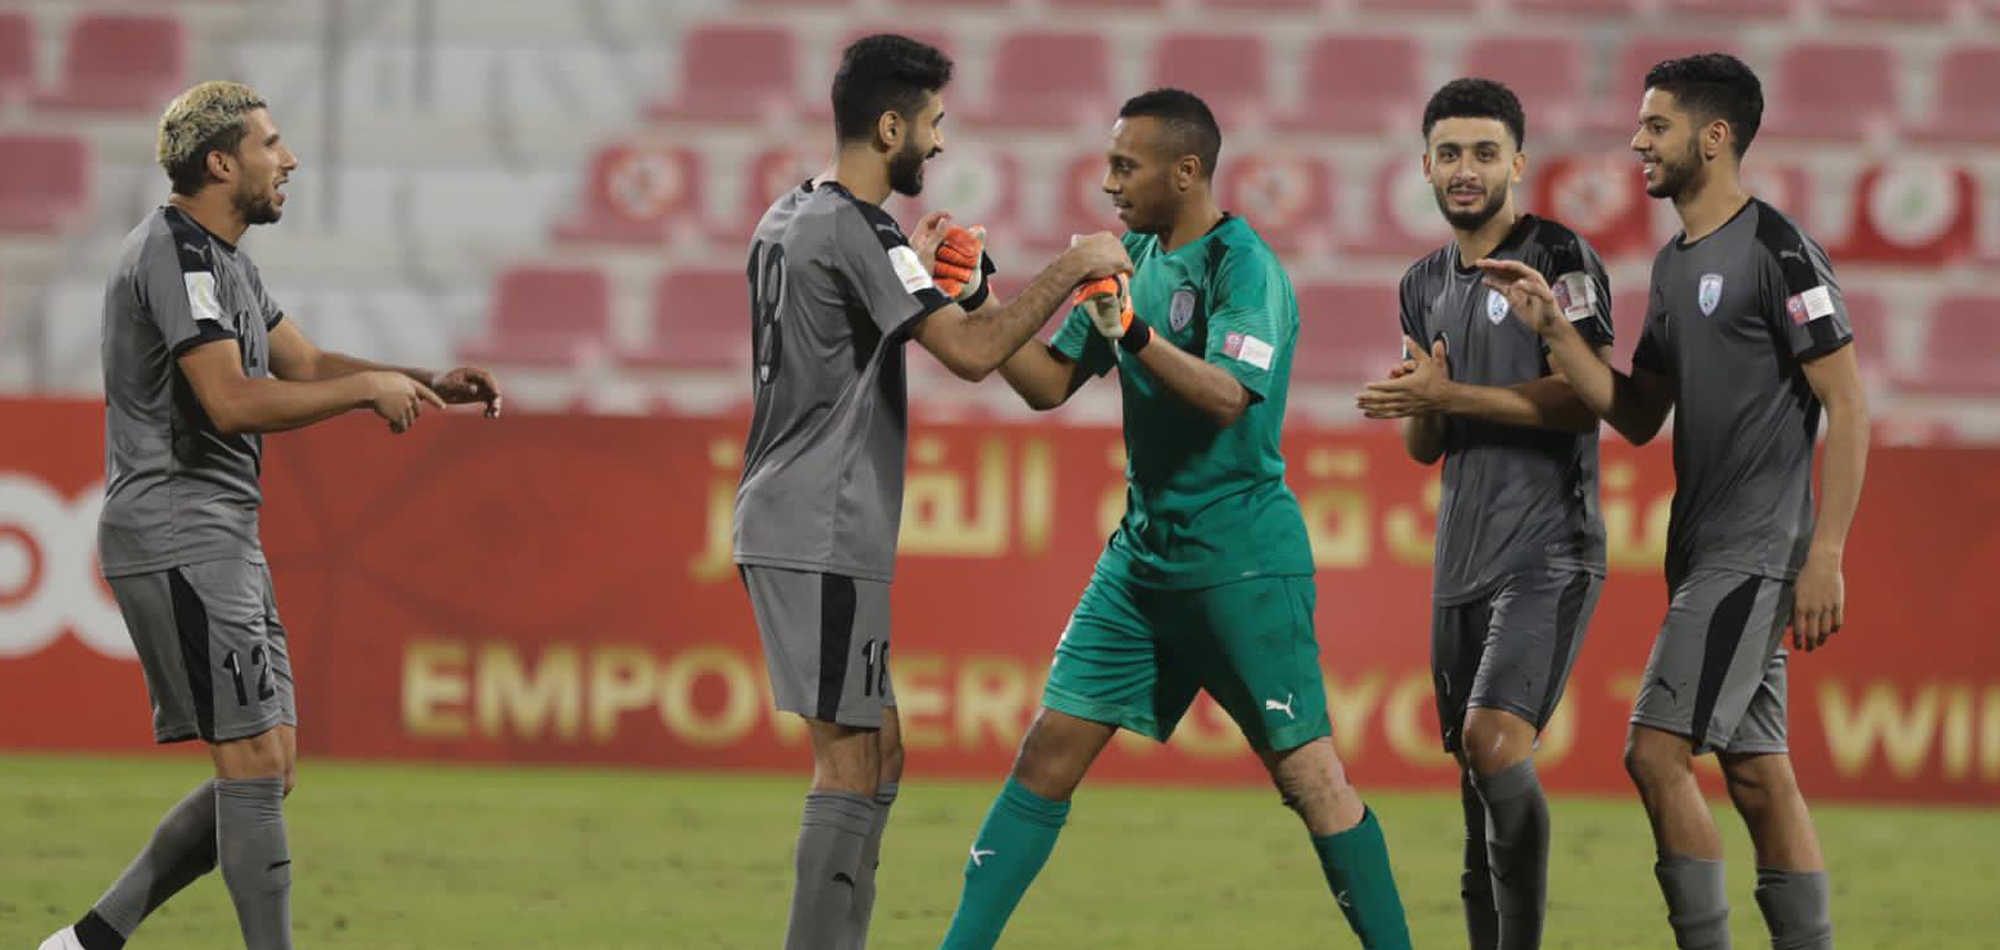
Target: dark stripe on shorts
(1569, 617)
(1725, 635)
(191, 623)
(836, 635)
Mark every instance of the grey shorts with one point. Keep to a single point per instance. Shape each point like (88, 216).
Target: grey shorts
(1512, 651)
(826, 643)
(1717, 673)
(212, 649)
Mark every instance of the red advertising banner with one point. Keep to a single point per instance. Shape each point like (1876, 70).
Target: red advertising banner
(558, 590)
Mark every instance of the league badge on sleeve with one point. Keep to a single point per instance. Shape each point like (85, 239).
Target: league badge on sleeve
(1711, 293)
(1496, 306)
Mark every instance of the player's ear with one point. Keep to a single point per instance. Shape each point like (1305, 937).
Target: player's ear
(1520, 165)
(221, 165)
(889, 130)
(1186, 172)
(1715, 138)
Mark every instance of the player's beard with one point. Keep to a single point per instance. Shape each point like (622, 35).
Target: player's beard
(906, 170)
(257, 208)
(1675, 177)
(1473, 220)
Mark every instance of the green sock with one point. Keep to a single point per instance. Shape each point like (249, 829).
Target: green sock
(1012, 846)
(1356, 862)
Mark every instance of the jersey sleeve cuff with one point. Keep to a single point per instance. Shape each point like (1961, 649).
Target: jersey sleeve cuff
(206, 332)
(929, 300)
(1826, 348)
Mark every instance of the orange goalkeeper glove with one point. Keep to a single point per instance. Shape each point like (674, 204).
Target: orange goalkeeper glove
(959, 270)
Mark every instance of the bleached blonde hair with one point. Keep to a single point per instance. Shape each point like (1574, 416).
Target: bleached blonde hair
(207, 117)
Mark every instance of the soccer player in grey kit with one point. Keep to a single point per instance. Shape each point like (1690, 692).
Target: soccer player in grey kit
(836, 289)
(1746, 339)
(199, 362)
(1520, 543)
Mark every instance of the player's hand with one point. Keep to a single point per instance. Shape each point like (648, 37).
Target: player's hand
(958, 268)
(399, 399)
(1101, 254)
(1527, 292)
(1424, 389)
(469, 384)
(1108, 301)
(1819, 602)
(1402, 369)
(928, 235)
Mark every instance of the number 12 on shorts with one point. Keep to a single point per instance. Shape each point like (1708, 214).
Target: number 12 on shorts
(264, 689)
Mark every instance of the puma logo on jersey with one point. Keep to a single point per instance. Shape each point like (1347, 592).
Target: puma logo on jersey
(1272, 705)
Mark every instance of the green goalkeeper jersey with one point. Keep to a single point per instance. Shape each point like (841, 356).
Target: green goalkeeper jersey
(1205, 505)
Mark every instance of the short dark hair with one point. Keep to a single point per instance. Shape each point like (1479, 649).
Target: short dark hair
(1712, 86)
(1190, 126)
(1472, 98)
(884, 73)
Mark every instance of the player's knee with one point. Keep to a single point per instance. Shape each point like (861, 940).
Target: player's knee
(1758, 782)
(1653, 765)
(892, 762)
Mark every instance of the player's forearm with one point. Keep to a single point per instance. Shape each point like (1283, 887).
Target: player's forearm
(1037, 377)
(274, 405)
(1203, 385)
(1546, 403)
(336, 365)
(1845, 467)
(1611, 395)
(981, 342)
(1423, 437)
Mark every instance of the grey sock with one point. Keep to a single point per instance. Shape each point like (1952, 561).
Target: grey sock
(871, 858)
(1517, 849)
(832, 835)
(256, 862)
(182, 848)
(1697, 901)
(1796, 908)
(1475, 883)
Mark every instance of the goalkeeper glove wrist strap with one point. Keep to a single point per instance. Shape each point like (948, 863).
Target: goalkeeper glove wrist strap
(1136, 337)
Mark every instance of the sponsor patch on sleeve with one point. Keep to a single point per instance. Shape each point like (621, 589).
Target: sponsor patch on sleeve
(201, 296)
(1811, 305)
(1576, 295)
(903, 259)
(1245, 348)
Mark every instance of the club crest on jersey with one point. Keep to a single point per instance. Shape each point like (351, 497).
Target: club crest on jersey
(1496, 306)
(1711, 293)
(1181, 310)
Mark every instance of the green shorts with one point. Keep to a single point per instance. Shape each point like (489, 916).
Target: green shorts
(1135, 657)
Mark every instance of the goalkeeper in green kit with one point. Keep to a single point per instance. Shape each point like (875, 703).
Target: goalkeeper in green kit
(1208, 582)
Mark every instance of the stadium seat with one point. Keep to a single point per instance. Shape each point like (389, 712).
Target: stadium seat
(1961, 351)
(1229, 6)
(1967, 107)
(1915, 213)
(17, 56)
(1229, 71)
(117, 62)
(1732, 9)
(1832, 91)
(701, 320)
(1617, 113)
(1361, 85)
(1578, 8)
(1546, 72)
(734, 73)
(1104, 5)
(1050, 79)
(1348, 333)
(1918, 11)
(47, 184)
(1419, 6)
(545, 316)
(637, 195)
(1287, 197)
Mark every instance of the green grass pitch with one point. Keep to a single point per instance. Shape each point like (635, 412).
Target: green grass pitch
(452, 857)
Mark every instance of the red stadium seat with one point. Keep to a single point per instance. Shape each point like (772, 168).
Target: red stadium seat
(1229, 71)
(119, 63)
(1419, 6)
(1967, 107)
(637, 195)
(1362, 85)
(1921, 11)
(1226, 6)
(1832, 91)
(546, 316)
(1051, 79)
(1546, 72)
(47, 185)
(701, 320)
(1914, 212)
(1617, 113)
(1961, 352)
(1287, 197)
(1733, 9)
(735, 73)
(17, 56)
(1579, 8)
(1348, 333)
(1102, 5)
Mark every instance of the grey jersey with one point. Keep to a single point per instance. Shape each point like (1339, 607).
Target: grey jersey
(1731, 319)
(1514, 498)
(835, 290)
(176, 490)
